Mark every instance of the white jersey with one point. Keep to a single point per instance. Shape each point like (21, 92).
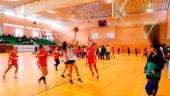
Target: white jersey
(161, 49)
(65, 56)
(85, 49)
(70, 54)
(107, 49)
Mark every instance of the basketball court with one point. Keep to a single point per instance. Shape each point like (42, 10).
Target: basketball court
(119, 77)
(121, 24)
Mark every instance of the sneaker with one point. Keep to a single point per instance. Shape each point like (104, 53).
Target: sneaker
(56, 69)
(92, 74)
(97, 76)
(79, 79)
(62, 75)
(71, 81)
(3, 77)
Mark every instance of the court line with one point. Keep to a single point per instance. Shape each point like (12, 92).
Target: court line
(68, 81)
(69, 90)
(138, 85)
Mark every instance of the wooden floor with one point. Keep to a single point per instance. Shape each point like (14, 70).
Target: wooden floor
(122, 76)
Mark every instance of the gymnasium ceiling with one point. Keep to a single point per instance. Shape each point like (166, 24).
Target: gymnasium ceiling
(86, 9)
(100, 8)
(14, 3)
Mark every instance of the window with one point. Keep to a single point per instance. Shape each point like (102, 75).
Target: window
(110, 35)
(18, 32)
(95, 35)
(35, 33)
(49, 36)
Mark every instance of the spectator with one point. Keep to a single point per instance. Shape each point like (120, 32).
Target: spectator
(107, 52)
(157, 59)
(85, 51)
(103, 52)
(136, 51)
(118, 50)
(145, 52)
(113, 52)
(100, 52)
(128, 51)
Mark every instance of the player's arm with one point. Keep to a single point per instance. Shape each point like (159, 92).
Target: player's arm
(38, 55)
(48, 54)
(60, 53)
(52, 52)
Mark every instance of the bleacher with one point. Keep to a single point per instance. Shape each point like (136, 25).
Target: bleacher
(19, 41)
(11, 40)
(44, 42)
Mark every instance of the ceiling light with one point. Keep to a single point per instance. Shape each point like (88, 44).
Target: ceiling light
(149, 10)
(72, 19)
(9, 13)
(32, 28)
(51, 11)
(123, 13)
(73, 16)
(58, 18)
(149, 5)
(109, 1)
(35, 15)
(13, 25)
(32, 18)
(12, 0)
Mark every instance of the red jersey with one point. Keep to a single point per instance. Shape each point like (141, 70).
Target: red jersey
(14, 58)
(145, 51)
(76, 51)
(91, 55)
(113, 50)
(56, 55)
(42, 60)
(81, 50)
(139, 51)
(122, 50)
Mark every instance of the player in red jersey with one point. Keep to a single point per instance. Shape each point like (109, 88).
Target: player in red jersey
(42, 55)
(56, 55)
(91, 58)
(82, 52)
(113, 52)
(12, 61)
(76, 52)
(123, 50)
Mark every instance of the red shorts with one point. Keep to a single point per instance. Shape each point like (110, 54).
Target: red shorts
(113, 52)
(42, 64)
(13, 62)
(91, 61)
